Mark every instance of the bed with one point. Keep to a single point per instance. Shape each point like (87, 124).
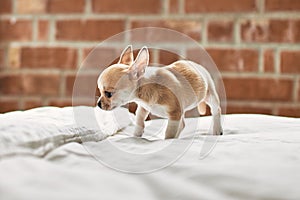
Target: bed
(46, 154)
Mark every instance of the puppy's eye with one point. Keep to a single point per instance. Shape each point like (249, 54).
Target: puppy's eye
(108, 94)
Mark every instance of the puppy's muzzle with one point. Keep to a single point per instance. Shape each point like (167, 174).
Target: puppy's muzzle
(99, 104)
(103, 106)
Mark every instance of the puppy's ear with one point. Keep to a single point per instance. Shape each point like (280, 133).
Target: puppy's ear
(126, 56)
(137, 69)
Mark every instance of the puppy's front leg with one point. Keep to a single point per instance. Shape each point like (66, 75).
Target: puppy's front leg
(141, 115)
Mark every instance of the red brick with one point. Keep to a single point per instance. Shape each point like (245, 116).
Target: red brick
(290, 62)
(299, 91)
(60, 102)
(88, 30)
(173, 6)
(195, 113)
(20, 30)
(269, 60)
(220, 31)
(281, 31)
(48, 57)
(99, 58)
(271, 31)
(31, 6)
(32, 103)
(70, 80)
(102, 57)
(83, 85)
(2, 57)
(13, 57)
(10, 84)
(196, 6)
(255, 31)
(63, 6)
(192, 28)
(28, 84)
(49, 6)
(282, 5)
(258, 89)
(8, 105)
(295, 31)
(43, 30)
(84, 102)
(247, 109)
(291, 111)
(6, 6)
(235, 60)
(41, 84)
(127, 6)
(167, 57)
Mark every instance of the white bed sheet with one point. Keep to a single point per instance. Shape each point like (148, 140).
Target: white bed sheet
(258, 157)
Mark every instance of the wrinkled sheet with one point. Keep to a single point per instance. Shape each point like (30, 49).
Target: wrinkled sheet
(45, 154)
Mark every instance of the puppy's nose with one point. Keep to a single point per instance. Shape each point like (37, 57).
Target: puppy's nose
(99, 104)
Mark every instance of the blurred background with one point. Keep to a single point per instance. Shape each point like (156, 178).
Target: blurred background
(254, 43)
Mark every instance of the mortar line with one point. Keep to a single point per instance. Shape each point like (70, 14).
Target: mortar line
(260, 61)
(79, 57)
(181, 5)
(255, 75)
(204, 32)
(156, 56)
(261, 6)
(88, 7)
(216, 15)
(165, 7)
(14, 7)
(236, 32)
(127, 32)
(35, 29)
(74, 44)
(21, 102)
(31, 71)
(277, 61)
(296, 89)
(183, 52)
(263, 103)
(52, 30)
(62, 84)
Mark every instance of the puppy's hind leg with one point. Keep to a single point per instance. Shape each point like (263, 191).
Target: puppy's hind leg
(175, 125)
(212, 100)
(174, 128)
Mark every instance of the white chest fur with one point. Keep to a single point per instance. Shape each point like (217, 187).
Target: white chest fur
(155, 109)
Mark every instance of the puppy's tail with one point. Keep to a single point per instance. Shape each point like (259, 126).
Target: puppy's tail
(202, 108)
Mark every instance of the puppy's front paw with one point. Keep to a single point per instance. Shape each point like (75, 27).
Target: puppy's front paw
(138, 132)
(218, 130)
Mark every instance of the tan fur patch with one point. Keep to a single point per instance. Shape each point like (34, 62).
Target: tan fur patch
(192, 77)
(111, 79)
(175, 86)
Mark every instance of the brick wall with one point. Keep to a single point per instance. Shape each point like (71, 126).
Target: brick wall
(255, 44)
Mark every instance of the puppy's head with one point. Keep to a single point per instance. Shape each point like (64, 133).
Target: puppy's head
(118, 82)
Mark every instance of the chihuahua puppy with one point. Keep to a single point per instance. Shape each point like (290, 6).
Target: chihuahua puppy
(164, 91)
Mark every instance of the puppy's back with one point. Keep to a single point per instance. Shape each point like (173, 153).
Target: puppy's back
(191, 79)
